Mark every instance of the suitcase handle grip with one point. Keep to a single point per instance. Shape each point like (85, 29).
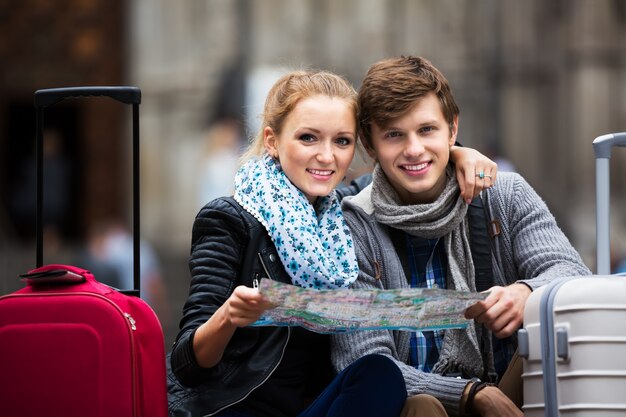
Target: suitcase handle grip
(51, 96)
(602, 145)
(52, 276)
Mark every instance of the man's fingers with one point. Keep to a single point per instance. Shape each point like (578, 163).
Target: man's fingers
(475, 310)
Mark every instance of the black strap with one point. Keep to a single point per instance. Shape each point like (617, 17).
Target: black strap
(480, 243)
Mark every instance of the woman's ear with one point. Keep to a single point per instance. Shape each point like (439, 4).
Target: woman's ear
(270, 142)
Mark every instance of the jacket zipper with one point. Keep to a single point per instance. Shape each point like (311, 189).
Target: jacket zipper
(267, 272)
(282, 353)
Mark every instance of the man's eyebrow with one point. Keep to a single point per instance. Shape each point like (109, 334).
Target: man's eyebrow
(428, 122)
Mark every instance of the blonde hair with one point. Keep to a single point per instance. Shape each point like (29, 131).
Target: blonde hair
(287, 92)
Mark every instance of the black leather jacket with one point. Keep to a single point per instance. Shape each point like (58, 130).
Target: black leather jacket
(229, 248)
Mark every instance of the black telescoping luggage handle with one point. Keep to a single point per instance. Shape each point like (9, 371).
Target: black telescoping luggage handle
(50, 96)
(602, 146)
(127, 95)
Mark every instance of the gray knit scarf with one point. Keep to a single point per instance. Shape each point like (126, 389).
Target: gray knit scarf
(463, 349)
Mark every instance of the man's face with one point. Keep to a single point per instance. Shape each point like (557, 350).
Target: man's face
(413, 151)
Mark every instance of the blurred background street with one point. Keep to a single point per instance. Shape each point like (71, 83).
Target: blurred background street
(536, 82)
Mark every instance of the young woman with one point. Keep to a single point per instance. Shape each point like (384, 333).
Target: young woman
(285, 223)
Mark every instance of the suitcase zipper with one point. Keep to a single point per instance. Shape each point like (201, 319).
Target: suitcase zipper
(131, 320)
(133, 354)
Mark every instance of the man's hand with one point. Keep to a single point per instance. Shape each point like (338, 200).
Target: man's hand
(502, 311)
(491, 402)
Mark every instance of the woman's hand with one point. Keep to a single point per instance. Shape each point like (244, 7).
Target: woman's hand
(243, 307)
(474, 171)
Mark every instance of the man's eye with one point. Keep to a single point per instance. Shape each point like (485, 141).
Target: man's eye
(426, 129)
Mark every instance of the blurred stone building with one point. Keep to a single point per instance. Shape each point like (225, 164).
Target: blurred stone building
(536, 82)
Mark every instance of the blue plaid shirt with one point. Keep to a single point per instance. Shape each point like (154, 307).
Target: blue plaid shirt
(427, 267)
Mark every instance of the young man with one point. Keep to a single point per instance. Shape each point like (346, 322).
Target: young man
(410, 230)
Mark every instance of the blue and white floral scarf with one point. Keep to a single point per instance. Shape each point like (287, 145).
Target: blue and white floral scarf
(316, 249)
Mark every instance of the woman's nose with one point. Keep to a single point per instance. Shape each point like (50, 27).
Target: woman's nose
(325, 153)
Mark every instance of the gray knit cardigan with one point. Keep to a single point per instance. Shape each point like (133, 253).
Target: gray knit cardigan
(531, 248)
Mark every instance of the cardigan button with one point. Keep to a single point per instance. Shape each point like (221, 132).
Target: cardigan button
(272, 257)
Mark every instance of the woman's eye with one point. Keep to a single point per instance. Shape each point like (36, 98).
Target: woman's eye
(307, 138)
(344, 141)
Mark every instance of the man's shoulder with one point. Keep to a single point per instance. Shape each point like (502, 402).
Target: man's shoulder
(507, 184)
(359, 202)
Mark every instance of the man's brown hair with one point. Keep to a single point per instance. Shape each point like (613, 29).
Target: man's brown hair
(391, 88)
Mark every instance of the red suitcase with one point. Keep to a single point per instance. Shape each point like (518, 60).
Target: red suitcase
(69, 345)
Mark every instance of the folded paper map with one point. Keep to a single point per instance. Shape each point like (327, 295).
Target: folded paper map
(334, 311)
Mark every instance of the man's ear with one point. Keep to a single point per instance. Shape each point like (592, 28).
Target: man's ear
(269, 140)
(454, 130)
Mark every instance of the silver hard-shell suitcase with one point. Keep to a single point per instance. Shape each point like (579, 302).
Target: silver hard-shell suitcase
(573, 342)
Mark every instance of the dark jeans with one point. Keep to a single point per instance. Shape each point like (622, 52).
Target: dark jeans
(371, 386)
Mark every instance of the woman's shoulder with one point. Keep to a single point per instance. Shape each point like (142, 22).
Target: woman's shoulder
(219, 208)
(225, 214)
(225, 206)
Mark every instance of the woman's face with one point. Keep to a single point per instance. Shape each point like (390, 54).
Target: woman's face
(316, 144)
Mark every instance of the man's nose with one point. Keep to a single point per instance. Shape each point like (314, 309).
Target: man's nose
(414, 145)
